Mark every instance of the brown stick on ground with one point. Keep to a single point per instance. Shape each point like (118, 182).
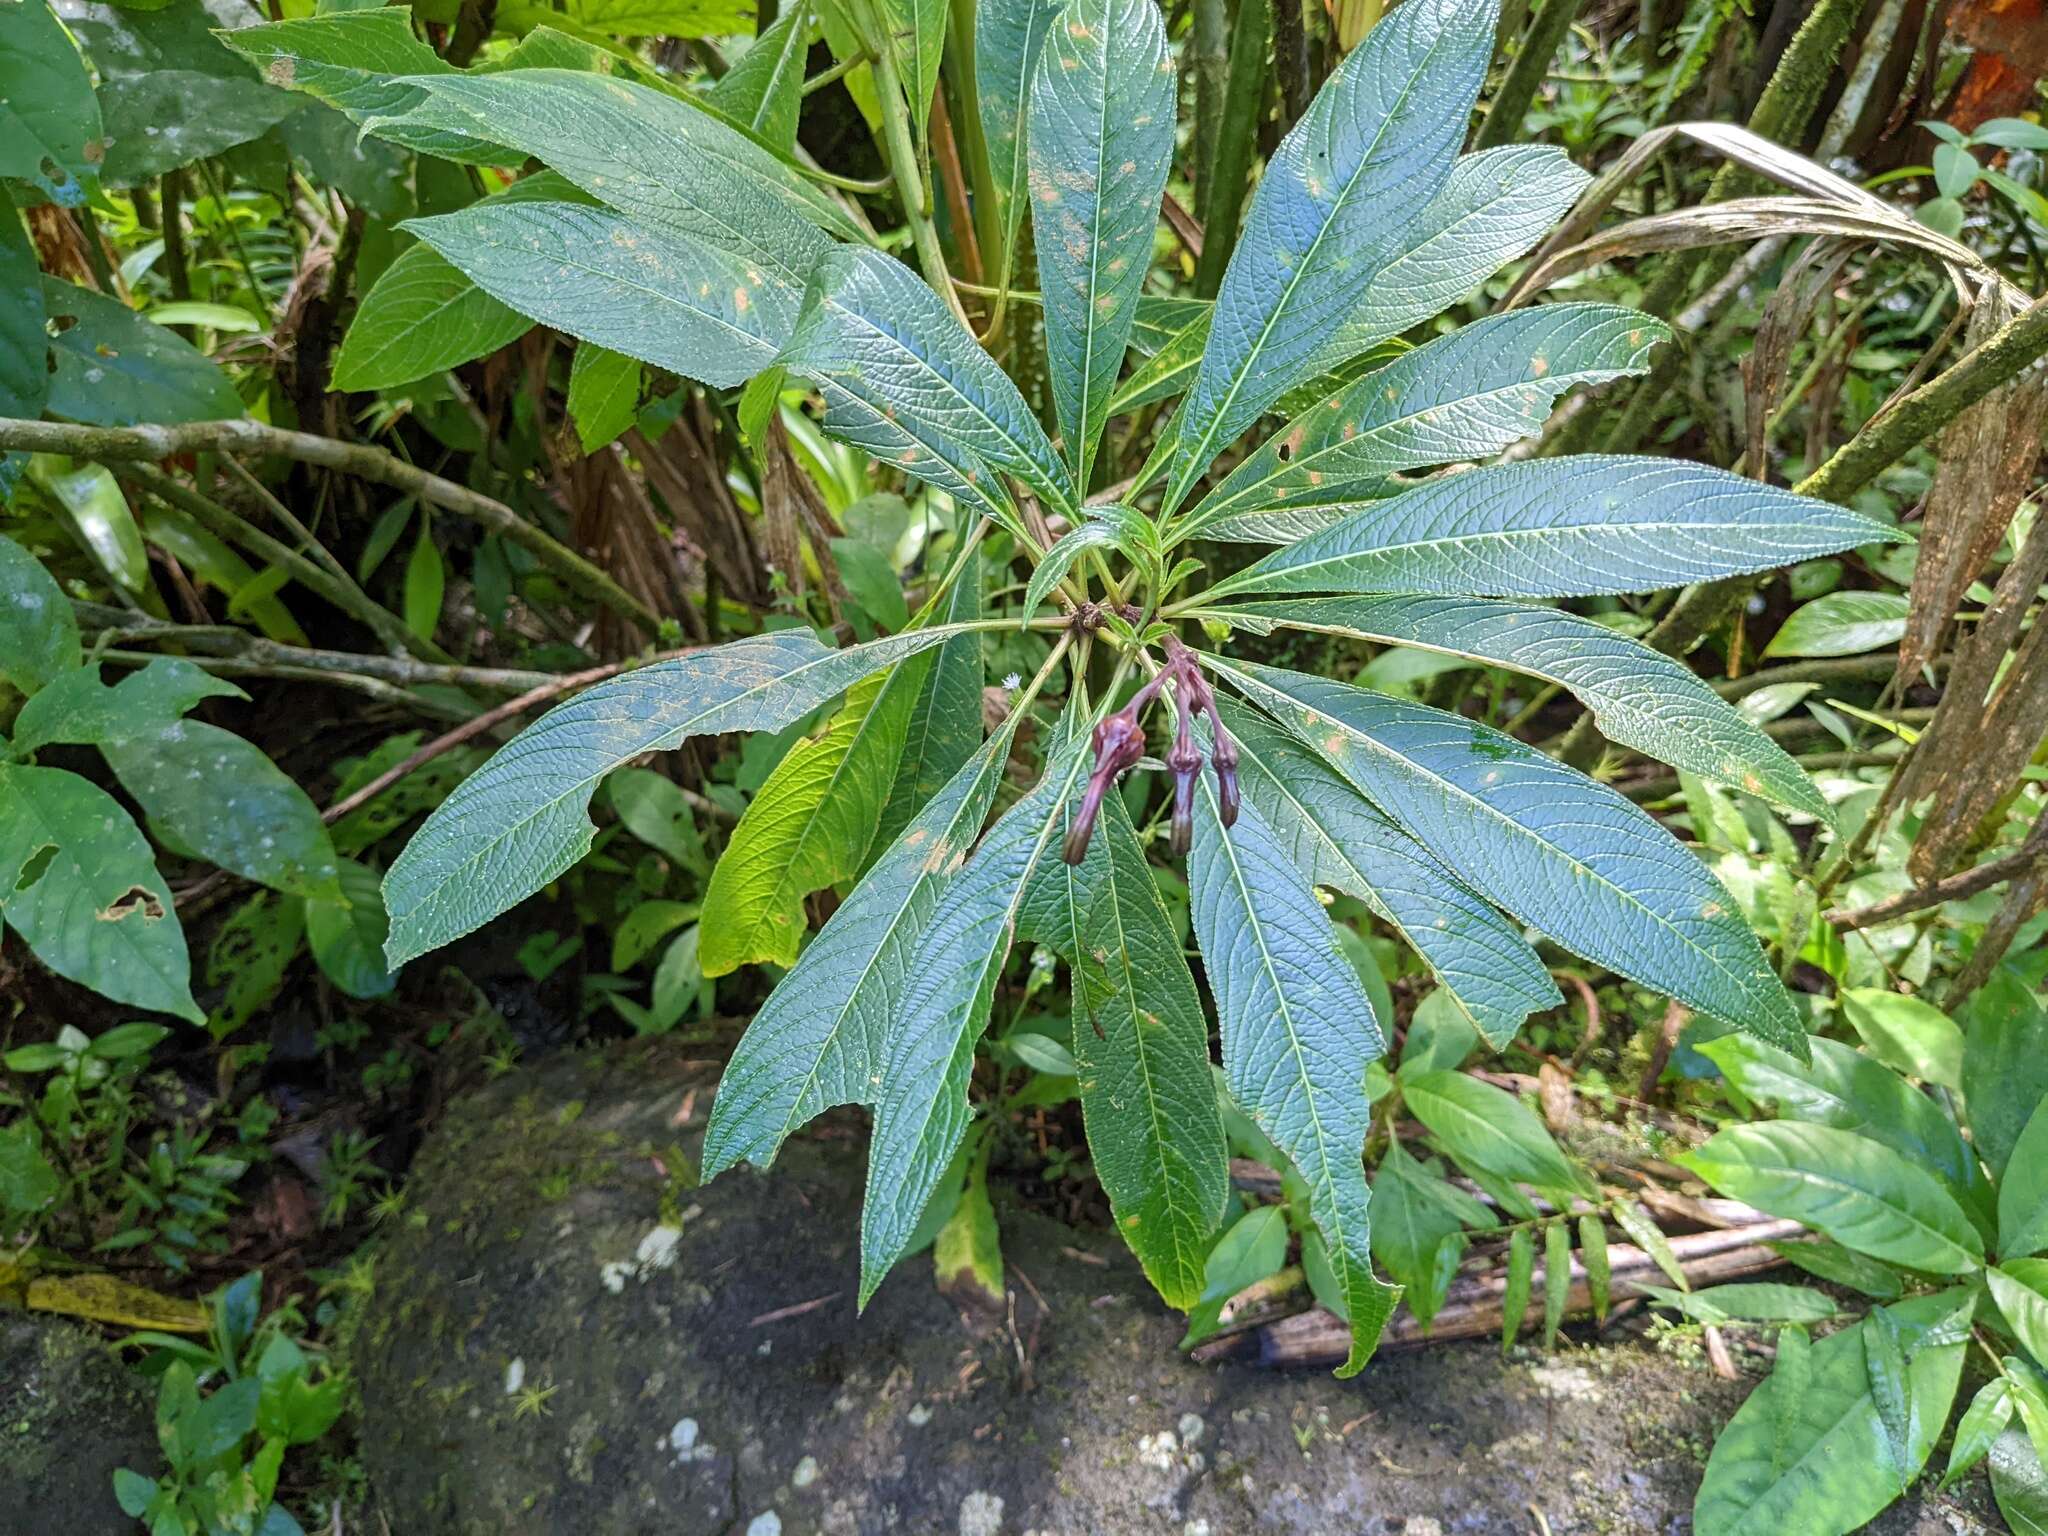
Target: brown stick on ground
(1473, 1308)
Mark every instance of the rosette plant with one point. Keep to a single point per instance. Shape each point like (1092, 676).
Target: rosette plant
(664, 232)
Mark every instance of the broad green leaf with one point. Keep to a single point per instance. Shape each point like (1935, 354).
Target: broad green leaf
(1440, 1036)
(210, 560)
(1832, 1262)
(945, 723)
(1748, 1303)
(764, 90)
(2019, 1483)
(2020, 1287)
(159, 119)
(653, 809)
(1574, 527)
(808, 827)
(1409, 1230)
(1141, 1052)
(249, 957)
(1252, 1249)
(1100, 145)
(1842, 624)
(2005, 1071)
(38, 631)
(1337, 838)
(967, 1255)
(1906, 1034)
(115, 368)
(426, 584)
(1008, 37)
(522, 819)
(1639, 697)
(922, 1109)
(1857, 1191)
(637, 933)
(1336, 204)
(664, 18)
(2023, 1192)
(822, 1037)
(78, 883)
(905, 381)
(1982, 1423)
(1298, 1031)
(654, 294)
(1843, 1088)
(1496, 205)
(1463, 396)
(1564, 854)
(604, 394)
(1488, 1128)
(1517, 1284)
(220, 797)
(1797, 1458)
(90, 501)
(1884, 1358)
(50, 133)
(24, 343)
(916, 30)
(661, 160)
(348, 936)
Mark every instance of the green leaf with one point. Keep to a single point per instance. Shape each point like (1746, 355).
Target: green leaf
(38, 631)
(1748, 1303)
(1141, 1052)
(90, 502)
(916, 30)
(1488, 1128)
(1649, 1237)
(1337, 202)
(822, 1037)
(1410, 1230)
(604, 394)
(1639, 697)
(251, 952)
(663, 161)
(1797, 1458)
(1562, 853)
(1832, 1262)
(872, 582)
(945, 723)
(679, 980)
(24, 343)
(1593, 1252)
(50, 133)
(654, 810)
(1337, 838)
(1982, 1423)
(663, 297)
(521, 819)
(967, 1255)
(1575, 527)
(348, 936)
(160, 119)
(905, 381)
(79, 885)
(223, 799)
(1884, 1359)
(2023, 1192)
(1008, 38)
(2020, 1287)
(650, 922)
(1557, 1279)
(424, 314)
(133, 1492)
(1463, 396)
(115, 368)
(1907, 1034)
(1515, 1288)
(921, 1109)
(1298, 1031)
(1100, 145)
(1843, 1088)
(28, 1184)
(1842, 624)
(809, 827)
(2019, 1484)
(1440, 1036)
(1096, 533)
(664, 18)
(763, 92)
(2005, 1071)
(426, 582)
(1859, 1192)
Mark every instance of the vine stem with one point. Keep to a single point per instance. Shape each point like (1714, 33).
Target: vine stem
(365, 462)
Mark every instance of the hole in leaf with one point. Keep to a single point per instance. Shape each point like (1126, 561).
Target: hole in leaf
(33, 870)
(137, 898)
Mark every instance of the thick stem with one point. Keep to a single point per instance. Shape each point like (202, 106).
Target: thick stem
(904, 164)
(1244, 102)
(1517, 92)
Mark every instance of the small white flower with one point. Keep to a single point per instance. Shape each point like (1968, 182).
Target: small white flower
(1013, 682)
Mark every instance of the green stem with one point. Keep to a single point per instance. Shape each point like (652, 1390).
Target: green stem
(1244, 101)
(908, 168)
(1517, 92)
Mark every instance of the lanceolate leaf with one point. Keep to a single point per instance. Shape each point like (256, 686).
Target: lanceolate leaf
(1008, 36)
(945, 722)
(1639, 697)
(1337, 838)
(922, 393)
(1298, 1031)
(1463, 396)
(808, 827)
(38, 630)
(2023, 1192)
(1101, 143)
(822, 1037)
(1331, 210)
(523, 818)
(604, 394)
(921, 1106)
(1797, 1458)
(764, 91)
(78, 883)
(1489, 1129)
(1141, 1052)
(1562, 853)
(916, 30)
(643, 152)
(1409, 1229)
(666, 298)
(1857, 1191)
(1574, 527)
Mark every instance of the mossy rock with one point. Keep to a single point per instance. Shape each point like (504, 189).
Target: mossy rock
(566, 1339)
(70, 1413)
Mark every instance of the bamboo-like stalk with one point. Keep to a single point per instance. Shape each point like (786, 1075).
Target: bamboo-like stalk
(1517, 92)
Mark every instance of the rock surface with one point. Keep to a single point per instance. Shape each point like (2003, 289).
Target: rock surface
(69, 1415)
(565, 1338)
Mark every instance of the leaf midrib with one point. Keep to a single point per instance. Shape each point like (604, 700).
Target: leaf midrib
(1842, 1186)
